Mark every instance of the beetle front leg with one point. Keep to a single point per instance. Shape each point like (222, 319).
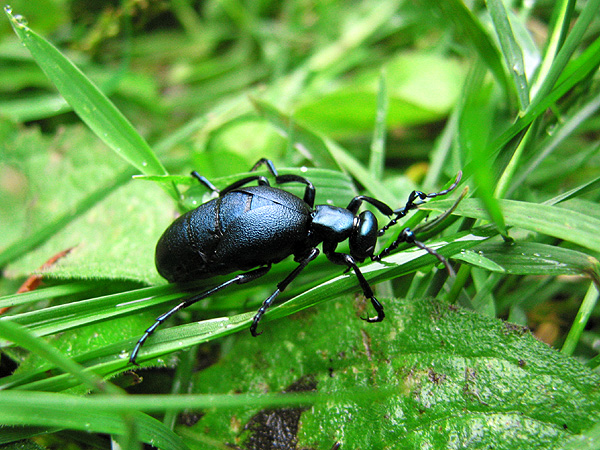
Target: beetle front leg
(346, 260)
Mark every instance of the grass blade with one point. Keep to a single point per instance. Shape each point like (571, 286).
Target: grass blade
(90, 104)
(469, 25)
(511, 50)
(377, 158)
(572, 226)
(583, 316)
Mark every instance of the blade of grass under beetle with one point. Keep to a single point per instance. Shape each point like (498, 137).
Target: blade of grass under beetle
(90, 104)
(63, 317)
(393, 266)
(112, 358)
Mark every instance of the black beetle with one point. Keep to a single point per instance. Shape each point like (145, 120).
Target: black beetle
(249, 228)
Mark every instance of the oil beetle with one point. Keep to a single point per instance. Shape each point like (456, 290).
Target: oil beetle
(249, 228)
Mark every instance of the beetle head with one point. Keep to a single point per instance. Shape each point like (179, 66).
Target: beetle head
(364, 236)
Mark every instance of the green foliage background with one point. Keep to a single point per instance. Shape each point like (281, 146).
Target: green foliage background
(371, 97)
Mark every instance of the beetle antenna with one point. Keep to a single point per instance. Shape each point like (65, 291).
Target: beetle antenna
(415, 199)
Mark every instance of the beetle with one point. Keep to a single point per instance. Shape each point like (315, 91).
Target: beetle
(248, 228)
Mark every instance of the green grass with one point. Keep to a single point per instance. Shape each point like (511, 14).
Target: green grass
(104, 111)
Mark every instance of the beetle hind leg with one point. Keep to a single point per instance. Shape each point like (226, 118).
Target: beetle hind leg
(238, 279)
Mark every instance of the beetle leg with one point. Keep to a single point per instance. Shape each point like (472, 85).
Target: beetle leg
(355, 203)
(238, 279)
(280, 287)
(346, 260)
(262, 181)
(205, 181)
(309, 191)
(267, 162)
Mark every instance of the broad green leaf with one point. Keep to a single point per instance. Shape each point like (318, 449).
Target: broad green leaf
(57, 185)
(115, 239)
(424, 379)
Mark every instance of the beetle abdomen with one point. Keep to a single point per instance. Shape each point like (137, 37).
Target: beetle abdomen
(249, 227)
(183, 251)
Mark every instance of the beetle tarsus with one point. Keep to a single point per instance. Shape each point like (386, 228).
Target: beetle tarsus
(379, 309)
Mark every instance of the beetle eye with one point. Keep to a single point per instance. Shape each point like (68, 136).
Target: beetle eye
(364, 236)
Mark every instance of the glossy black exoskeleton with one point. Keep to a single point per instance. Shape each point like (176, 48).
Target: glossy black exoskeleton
(249, 228)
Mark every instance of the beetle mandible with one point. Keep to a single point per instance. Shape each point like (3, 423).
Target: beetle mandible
(249, 228)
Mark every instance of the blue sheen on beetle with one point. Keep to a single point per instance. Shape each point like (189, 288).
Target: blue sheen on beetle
(250, 228)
